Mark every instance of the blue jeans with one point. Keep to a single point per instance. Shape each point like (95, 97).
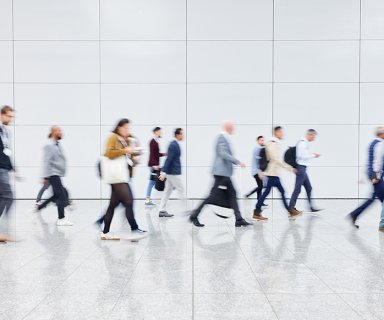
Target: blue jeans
(272, 182)
(381, 225)
(302, 179)
(151, 183)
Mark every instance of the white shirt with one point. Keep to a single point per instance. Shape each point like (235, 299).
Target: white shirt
(302, 152)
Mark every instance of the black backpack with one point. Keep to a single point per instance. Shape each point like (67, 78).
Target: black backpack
(290, 156)
(263, 161)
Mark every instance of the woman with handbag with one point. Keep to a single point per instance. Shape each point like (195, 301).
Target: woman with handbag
(114, 171)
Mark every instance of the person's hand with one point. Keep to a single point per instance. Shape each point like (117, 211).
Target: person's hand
(128, 150)
(242, 165)
(317, 155)
(162, 177)
(294, 171)
(45, 182)
(155, 167)
(261, 176)
(375, 181)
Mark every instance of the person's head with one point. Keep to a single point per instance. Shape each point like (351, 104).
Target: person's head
(380, 132)
(179, 134)
(6, 115)
(229, 126)
(278, 132)
(122, 128)
(56, 133)
(260, 140)
(311, 135)
(157, 132)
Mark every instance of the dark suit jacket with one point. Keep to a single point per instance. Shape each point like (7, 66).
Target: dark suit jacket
(5, 161)
(173, 165)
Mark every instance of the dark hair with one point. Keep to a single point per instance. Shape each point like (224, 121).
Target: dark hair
(156, 129)
(178, 131)
(277, 128)
(6, 109)
(312, 131)
(259, 137)
(120, 124)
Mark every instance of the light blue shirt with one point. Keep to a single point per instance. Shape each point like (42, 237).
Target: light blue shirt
(303, 155)
(255, 160)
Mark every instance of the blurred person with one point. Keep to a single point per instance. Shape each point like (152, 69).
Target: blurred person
(272, 173)
(171, 171)
(54, 168)
(153, 163)
(118, 145)
(375, 167)
(222, 172)
(6, 193)
(256, 172)
(303, 156)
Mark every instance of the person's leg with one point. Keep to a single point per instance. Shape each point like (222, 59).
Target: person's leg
(358, 211)
(208, 199)
(259, 188)
(6, 194)
(300, 178)
(254, 190)
(151, 184)
(166, 195)
(58, 191)
(308, 189)
(124, 193)
(282, 192)
(41, 192)
(233, 199)
(46, 202)
(268, 188)
(113, 203)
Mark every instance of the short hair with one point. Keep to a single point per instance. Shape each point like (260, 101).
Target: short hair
(277, 128)
(259, 137)
(6, 109)
(178, 131)
(379, 130)
(311, 131)
(156, 129)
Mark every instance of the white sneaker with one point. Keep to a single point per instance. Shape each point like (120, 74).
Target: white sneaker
(35, 209)
(64, 223)
(108, 236)
(137, 235)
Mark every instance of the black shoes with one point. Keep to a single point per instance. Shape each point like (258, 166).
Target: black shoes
(196, 222)
(314, 210)
(242, 223)
(353, 220)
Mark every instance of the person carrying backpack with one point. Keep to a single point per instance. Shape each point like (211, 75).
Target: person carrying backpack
(272, 173)
(302, 158)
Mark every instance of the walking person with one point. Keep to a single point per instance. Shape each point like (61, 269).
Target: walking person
(256, 172)
(171, 171)
(153, 163)
(54, 168)
(375, 168)
(6, 193)
(118, 148)
(222, 172)
(272, 173)
(303, 156)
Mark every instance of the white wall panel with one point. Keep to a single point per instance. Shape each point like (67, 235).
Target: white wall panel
(6, 61)
(372, 64)
(372, 19)
(5, 19)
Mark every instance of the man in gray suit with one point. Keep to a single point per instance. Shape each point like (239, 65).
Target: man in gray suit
(222, 171)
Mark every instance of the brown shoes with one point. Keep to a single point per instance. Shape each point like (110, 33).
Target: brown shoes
(293, 212)
(257, 216)
(381, 229)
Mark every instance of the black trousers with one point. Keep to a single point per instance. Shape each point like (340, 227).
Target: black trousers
(221, 181)
(59, 196)
(259, 187)
(121, 193)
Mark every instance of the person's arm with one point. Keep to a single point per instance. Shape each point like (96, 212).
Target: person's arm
(303, 153)
(275, 157)
(222, 150)
(47, 156)
(378, 160)
(112, 150)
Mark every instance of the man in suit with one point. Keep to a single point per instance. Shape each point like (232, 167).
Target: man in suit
(6, 194)
(222, 171)
(172, 172)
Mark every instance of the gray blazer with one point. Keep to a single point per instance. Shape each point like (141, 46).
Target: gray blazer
(224, 160)
(54, 161)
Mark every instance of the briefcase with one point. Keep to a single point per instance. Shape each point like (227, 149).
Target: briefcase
(219, 197)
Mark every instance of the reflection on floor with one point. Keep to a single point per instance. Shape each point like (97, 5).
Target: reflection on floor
(311, 268)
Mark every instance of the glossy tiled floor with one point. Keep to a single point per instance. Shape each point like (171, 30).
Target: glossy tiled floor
(311, 268)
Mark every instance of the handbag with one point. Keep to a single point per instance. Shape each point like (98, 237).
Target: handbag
(159, 185)
(114, 170)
